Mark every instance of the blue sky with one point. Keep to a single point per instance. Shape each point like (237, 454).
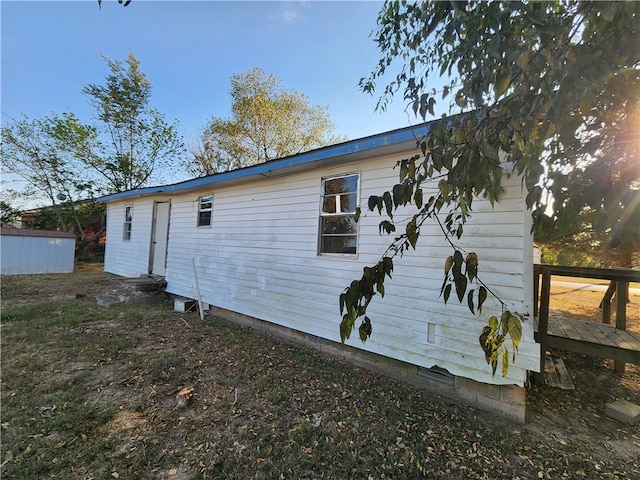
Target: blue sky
(189, 51)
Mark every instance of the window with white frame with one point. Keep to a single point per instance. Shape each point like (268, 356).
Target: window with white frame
(205, 208)
(338, 227)
(128, 220)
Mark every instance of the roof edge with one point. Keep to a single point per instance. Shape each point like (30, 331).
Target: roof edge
(28, 232)
(397, 137)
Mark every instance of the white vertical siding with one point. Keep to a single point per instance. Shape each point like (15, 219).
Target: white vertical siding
(129, 258)
(259, 258)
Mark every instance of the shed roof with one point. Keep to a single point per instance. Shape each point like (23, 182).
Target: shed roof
(28, 232)
(393, 141)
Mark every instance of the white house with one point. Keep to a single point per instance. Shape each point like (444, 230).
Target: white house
(276, 243)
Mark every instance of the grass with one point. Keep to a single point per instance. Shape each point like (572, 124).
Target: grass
(90, 392)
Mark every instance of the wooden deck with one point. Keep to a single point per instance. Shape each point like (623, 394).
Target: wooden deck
(591, 338)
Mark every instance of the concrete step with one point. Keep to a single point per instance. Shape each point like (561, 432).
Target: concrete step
(148, 283)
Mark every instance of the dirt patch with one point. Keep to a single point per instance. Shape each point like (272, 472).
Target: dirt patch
(263, 408)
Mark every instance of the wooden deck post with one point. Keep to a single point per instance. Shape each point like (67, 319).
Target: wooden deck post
(605, 304)
(622, 294)
(543, 319)
(536, 289)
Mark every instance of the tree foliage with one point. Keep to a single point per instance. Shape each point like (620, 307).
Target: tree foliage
(64, 160)
(266, 122)
(545, 90)
(8, 214)
(48, 154)
(137, 143)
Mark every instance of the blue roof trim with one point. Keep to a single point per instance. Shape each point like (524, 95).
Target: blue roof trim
(272, 167)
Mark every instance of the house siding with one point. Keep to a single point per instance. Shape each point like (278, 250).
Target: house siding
(128, 258)
(259, 258)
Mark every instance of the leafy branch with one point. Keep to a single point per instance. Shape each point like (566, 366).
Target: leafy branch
(460, 271)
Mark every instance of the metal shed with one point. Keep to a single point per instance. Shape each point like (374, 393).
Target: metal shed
(25, 251)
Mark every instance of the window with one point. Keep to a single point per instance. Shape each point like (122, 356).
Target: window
(128, 219)
(205, 207)
(338, 228)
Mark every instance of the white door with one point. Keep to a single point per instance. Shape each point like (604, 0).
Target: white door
(159, 238)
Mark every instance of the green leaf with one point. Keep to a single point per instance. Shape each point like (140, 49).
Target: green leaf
(461, 287)
(484, 338)
(343, 297)
(470, 301)
(398, 194)
(387, 265)
(387, 226)
(503, 80)
(403, 170)
(365, 329)
(388, 203)
(505, 137)
(472, 266)
(482, 296)
(505, 362)
(504, 321)
(373, 202)
(417, 198)
(457, 260)
(515, 330)
(493, 323)
(448, 264)
(411, 168)
(346, 326)
(447, 292)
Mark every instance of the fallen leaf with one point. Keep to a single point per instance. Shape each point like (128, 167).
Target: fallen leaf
(183, 397)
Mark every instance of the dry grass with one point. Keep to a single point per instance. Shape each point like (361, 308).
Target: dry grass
(89, 392)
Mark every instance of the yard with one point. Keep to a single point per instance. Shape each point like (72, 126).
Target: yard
(90, 392)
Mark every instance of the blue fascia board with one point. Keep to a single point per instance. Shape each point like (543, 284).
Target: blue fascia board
(282, 165)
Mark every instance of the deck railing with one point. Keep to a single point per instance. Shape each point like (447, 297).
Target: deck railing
(619, 280)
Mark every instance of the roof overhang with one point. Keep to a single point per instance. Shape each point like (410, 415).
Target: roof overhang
(392, 142)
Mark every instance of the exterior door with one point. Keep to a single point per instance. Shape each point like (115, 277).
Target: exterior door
(159, 238)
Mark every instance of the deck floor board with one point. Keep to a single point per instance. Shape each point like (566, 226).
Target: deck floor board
(599, 339)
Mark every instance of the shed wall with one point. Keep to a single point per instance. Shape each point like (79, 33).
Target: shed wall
(259, 258)
(36, 254)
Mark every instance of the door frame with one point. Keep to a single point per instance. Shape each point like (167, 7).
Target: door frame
(159, 235)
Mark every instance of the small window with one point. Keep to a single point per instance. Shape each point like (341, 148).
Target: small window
(205, 207)
(338, 227)
(128, 220)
